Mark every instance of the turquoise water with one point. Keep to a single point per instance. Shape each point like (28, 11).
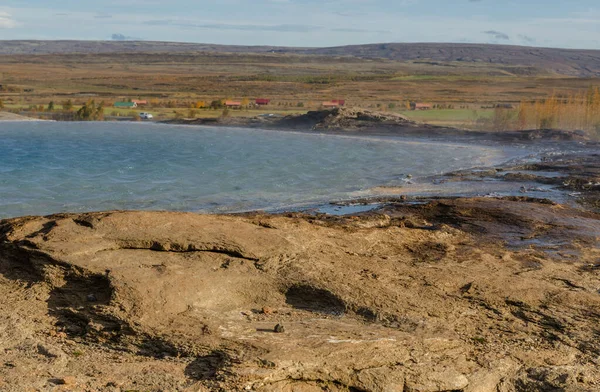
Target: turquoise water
(48, 167)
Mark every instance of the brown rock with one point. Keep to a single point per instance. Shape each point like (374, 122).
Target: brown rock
(267, 310)
(68, 380)
(436, 381)
(418, 327)
(381, 380)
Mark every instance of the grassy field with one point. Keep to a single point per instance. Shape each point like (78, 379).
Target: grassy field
(466, 118)
(174, 83)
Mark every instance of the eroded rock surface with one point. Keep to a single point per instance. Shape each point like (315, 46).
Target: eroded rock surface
(470, 295)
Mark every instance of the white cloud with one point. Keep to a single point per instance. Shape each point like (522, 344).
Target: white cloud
(6, 21)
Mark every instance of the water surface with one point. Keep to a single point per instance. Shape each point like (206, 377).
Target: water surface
(48, 167)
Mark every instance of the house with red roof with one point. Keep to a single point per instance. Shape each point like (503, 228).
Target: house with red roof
(233, 104)
(262, 101)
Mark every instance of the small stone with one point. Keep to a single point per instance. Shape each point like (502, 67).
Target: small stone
(91, 298)
(69, 380)
(267, 310)
(279, 329)
(50, 352)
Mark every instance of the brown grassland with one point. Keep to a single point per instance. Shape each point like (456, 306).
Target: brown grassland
(184, 84)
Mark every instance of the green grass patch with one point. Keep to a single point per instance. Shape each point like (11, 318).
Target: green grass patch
(448, 115)
(444, 78)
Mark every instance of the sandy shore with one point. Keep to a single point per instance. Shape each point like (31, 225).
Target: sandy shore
(7, 116)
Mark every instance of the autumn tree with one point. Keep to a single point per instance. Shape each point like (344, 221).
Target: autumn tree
(100, 111)
(67, 105)
(217, 104)
(90, 112)
(523, 116)
(502, 119)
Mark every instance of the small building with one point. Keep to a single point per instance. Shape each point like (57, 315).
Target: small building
(262, 101)
(420, 106)
(233, 104)
(334, 103)
(125, 105)
(140, 102)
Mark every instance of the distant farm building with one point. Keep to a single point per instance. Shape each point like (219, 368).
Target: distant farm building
(140, 102)
(233, 104)
(334, 103)
(420, 106)
(125, 105)
(262, 101)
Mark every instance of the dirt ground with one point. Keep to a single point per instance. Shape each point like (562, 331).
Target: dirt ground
(468, 295)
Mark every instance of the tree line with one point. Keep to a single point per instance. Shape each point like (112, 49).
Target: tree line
(575, 111)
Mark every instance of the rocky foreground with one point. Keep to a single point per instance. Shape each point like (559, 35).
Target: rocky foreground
(469, 295)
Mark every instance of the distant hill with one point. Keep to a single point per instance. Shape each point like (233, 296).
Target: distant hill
(570, 62)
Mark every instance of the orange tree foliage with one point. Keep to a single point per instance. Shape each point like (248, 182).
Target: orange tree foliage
(574, 111)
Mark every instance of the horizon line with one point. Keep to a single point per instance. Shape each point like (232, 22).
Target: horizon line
(298, 47)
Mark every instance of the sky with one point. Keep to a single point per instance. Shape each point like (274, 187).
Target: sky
(308, 23)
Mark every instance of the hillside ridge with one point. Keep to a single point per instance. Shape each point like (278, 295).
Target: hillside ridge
(570, 62)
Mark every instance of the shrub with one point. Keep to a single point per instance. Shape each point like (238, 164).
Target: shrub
(503, 119)
(216, 104)
(135, 116)
(90, 112)
(596, 133)
(67, 105)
